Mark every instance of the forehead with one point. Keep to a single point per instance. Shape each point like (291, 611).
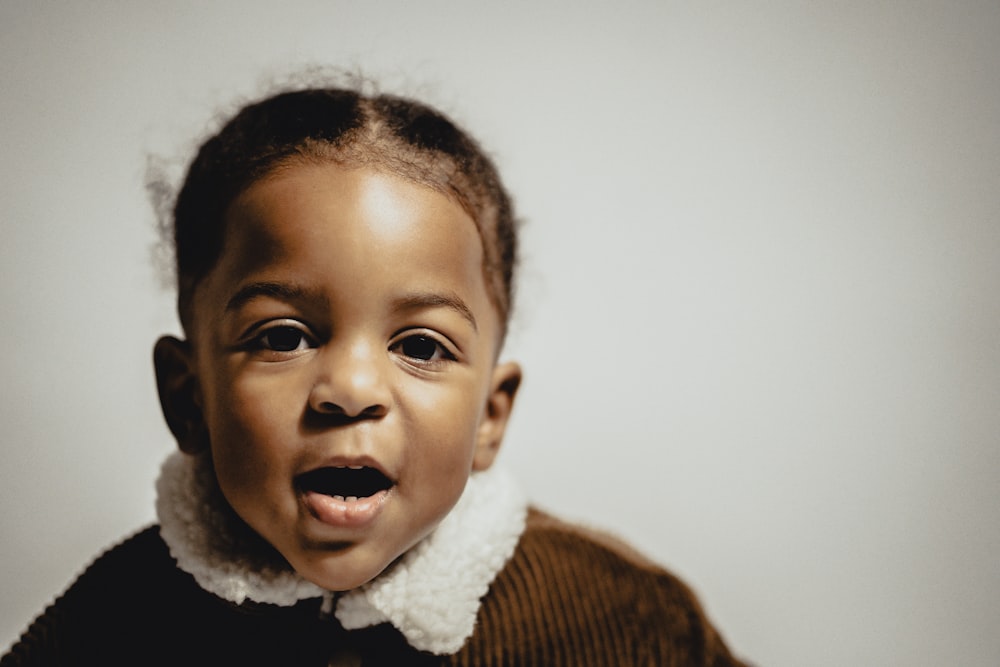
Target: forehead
(357, 228)
(288, 214)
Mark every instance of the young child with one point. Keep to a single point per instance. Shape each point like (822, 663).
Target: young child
(345, 269)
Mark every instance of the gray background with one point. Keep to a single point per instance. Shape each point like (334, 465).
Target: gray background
(758, 318)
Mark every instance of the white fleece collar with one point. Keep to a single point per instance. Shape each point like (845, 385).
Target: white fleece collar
(431, 596)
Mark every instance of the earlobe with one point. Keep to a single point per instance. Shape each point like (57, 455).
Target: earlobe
(499, 405)
(177, 384)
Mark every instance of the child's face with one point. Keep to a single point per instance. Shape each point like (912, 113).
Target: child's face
(347, 324)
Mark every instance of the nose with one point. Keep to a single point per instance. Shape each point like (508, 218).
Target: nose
(351, 382)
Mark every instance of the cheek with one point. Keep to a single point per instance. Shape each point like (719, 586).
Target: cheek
(253, 404)
(447, 421)
(249, 429)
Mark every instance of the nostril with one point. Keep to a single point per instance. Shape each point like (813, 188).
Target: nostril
(334, 410)
(373, 411)
(330, 408)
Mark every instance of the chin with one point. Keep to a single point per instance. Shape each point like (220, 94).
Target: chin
(332, 573)
(340, 583)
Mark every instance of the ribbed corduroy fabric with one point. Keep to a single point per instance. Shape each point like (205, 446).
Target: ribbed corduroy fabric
(568, 597)
(576, 597)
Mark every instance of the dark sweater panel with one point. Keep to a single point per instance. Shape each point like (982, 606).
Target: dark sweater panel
(567, 597)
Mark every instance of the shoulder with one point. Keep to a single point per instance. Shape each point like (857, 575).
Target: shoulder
(573, 564)
(133, 605)
(128, 569)
(572, 595)
(129, 560)
(132, 573)
(100, 595)
(548, 536)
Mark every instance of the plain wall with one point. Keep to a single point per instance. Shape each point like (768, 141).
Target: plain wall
(758, 312)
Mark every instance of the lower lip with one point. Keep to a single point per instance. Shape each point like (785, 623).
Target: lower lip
(345, 513)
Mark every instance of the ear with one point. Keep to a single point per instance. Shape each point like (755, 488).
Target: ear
(499, 404)
(180, 399)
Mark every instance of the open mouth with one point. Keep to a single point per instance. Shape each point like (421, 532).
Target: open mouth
(344, 482)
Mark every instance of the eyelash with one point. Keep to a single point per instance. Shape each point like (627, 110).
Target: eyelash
(439, 352)
(421, 338)
(262, 341)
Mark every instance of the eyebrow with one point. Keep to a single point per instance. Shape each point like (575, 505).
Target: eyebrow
(252, 291)
(418, 300)
(414, 301)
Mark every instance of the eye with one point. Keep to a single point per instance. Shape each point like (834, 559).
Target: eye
(423, 348)
(283, 338)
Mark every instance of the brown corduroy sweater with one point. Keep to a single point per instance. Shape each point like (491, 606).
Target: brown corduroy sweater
(568, 597)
